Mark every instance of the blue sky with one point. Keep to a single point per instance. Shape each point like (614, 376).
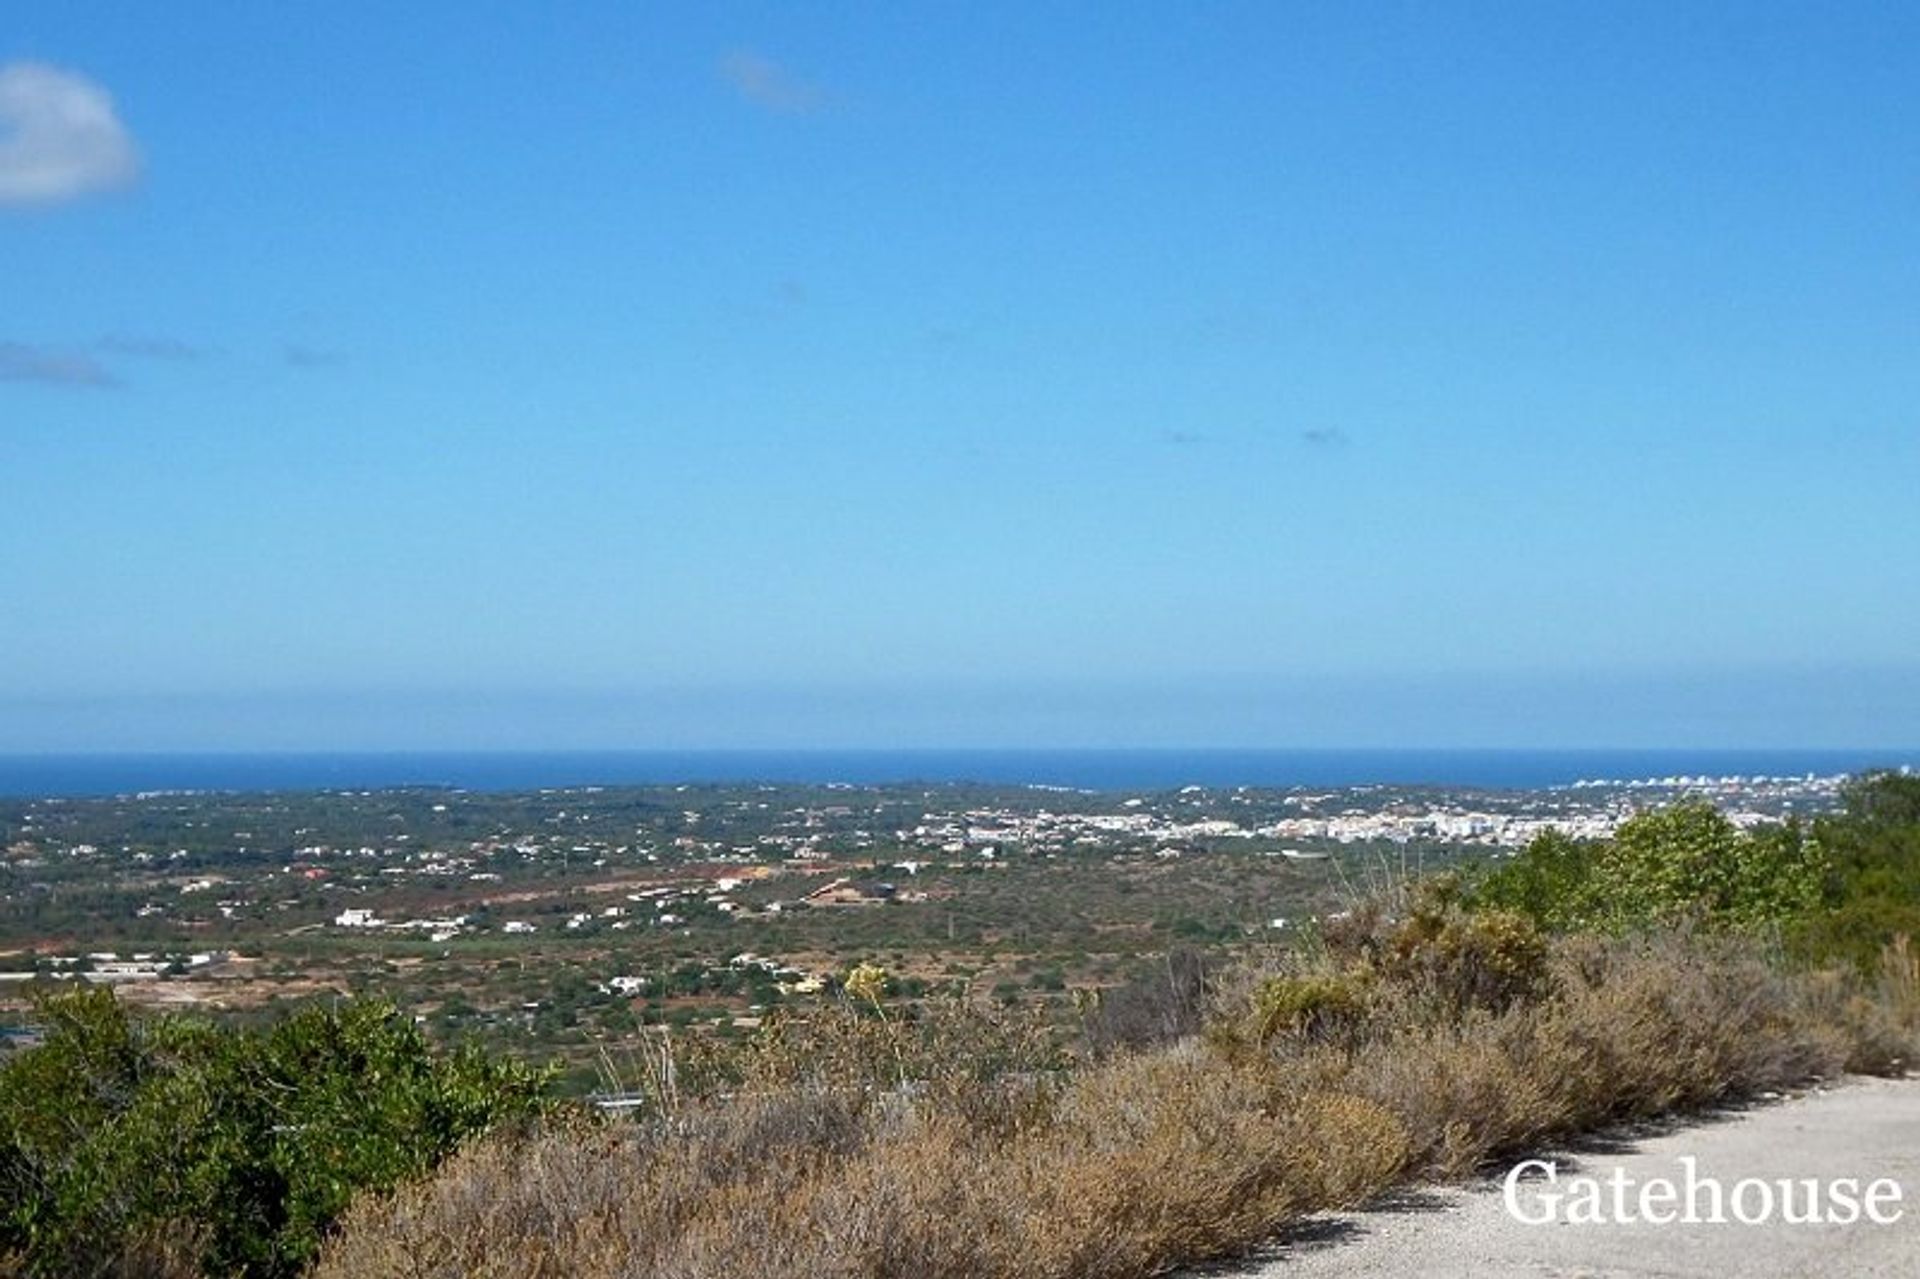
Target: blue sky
(737, 375)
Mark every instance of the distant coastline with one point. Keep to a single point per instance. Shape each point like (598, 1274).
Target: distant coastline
(1099, 770)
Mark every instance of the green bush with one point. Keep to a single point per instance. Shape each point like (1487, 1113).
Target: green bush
(1554, 882)
(1683, 864)
(1840, 890)
(236, 1147)
(1873, 851)
(1689, 860)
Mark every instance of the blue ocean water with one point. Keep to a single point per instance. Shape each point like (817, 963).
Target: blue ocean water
(72, 775)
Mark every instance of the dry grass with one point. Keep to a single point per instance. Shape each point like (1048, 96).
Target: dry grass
(1876, 1016)
(1483, 1045)
(1139, 1164)
(167, 1250)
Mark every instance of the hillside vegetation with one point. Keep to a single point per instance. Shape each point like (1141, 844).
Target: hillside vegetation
(164, 1145)
(1435, 1027)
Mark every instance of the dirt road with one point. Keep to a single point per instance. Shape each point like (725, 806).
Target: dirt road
(1864, 1130)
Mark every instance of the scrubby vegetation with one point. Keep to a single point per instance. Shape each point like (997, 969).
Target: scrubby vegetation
(1431, 1029)
(1141, 1161)
(167, 1144)
(1835, 890)
(1686, 863)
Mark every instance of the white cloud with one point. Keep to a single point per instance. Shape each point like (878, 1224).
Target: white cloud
(59, 137)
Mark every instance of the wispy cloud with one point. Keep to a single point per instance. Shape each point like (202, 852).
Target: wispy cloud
(312, 357)
(765, 83)
(25, 362)
(60, 137)
(148, 348)
(1325, 437)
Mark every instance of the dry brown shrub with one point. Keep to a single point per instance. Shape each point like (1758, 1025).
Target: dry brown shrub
(163, 1250)
(1164, 1004)
(1636, 1029)
(1139, 1163)
(1142, 1163)
(1878, 1016)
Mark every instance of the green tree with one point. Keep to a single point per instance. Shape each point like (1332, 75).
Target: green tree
(1684, 863)
(1873, 852)
(1553, 882)
(245, 1144)
(1883, 799)
(1689, 861)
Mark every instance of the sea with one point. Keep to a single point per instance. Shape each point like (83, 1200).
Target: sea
(1093, 770)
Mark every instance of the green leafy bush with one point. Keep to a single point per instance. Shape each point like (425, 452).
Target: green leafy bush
(235, 1149)
(1555, 882)
(1683, 864)
(1839, 890)
(1689, 860)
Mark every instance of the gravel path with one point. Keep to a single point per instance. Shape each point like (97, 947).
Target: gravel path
(1865, 1129)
